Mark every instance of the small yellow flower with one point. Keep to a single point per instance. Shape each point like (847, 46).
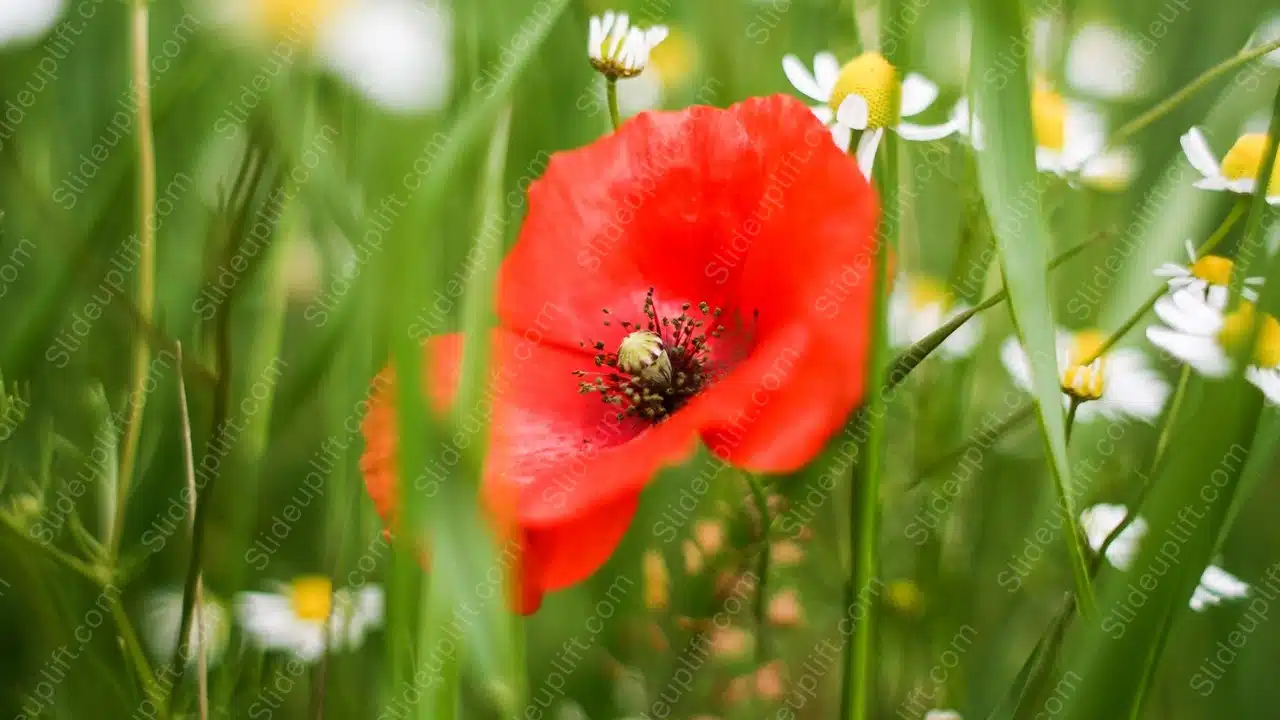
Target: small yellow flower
(657, 582)
(905, 597)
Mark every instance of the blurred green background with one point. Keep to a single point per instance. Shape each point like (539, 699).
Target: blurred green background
(294, 167)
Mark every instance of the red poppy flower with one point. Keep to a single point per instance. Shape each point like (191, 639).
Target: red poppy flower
(699, 274)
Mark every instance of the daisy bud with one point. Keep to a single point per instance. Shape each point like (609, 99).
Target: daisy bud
(616, 49)
(27, 507)
(768, 681)
(642, 354)
(692, 557)
(730, 643)
(1085, 382)
(784, 610)
(710, 535)
(785, 553)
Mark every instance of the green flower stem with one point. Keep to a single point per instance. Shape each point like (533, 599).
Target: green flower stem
(1071, 416)
(762, 568)
(140, 63)
(1168, 104)
(611, 92)
(908, 359)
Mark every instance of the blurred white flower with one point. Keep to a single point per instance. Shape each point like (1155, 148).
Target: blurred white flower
(22, 20)
(618, 50)
(1100, 520)
(918, 306)
(865, 95)
(1105, 62)
(162, 615)
(1117, 385)
(1239, 168)
(1070, 137)
(295, 618)
(1206, 278)
(397, 53)
(942, 715)
(1268, 32)
(1202, 336)
(1215, 586)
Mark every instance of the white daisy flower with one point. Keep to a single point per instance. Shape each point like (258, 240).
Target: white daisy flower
(162, 615)
(670, 66)
(1206, 278)
(1105, 62)
(1215, 586)
(1203, 336)
(918, 306)
(942, 715)
(294, 619)
(397, 53)
(1239, 166)
(1117, 385)
(1100, 520)
(618, 50)
(865, 95)
(1070, 137)
(25, 20)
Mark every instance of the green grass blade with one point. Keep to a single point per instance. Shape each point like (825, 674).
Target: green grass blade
(1011, 190)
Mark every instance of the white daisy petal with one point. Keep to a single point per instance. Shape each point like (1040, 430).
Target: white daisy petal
(397, 52)
(1015, 361)
(867, 147)
(925, 133)
(1268, 381)
(1202, 353)
(800, 78)
(841, 135)
(826, 70)
(824, 113)
(1101, 520)
(1103, 61)
(1198, 153)
(1222, 583)
(918, 93)
(853, 112)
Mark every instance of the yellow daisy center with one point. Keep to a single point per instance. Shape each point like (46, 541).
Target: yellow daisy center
(673, 58)
(925, 291)
(1244, 160)
(1236, 330)
(1049, 118)
(294, 18)
(311, 598)
(1085, 382)
(1213, 269)
(872, 77)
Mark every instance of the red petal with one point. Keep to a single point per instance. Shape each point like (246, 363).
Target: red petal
(750, 207)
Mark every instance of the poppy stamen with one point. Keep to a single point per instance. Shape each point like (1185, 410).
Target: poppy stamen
(659, 365)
